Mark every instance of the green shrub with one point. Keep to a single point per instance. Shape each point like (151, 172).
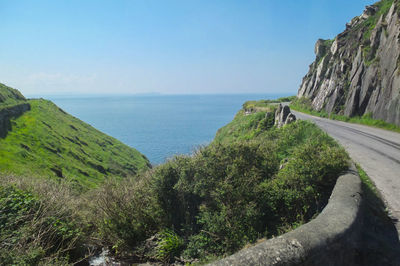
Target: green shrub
(125, 212)
(304, 184)
(169, 245)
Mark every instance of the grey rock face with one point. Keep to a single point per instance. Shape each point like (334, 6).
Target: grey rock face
(283, 116)
(320, 48)
(359, 71)
(278, 115)
(290, 118)
(285, 112)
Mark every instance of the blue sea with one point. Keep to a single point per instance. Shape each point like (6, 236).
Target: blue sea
(159, 126)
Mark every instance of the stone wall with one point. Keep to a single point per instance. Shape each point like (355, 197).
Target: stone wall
(7, 113)
(330, 239)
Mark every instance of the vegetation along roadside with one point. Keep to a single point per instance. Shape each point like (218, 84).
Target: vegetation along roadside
(304, 105)
(190, 209)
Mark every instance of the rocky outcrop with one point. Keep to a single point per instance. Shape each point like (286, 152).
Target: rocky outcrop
(283, 116)
(7, 113)
(358, 72)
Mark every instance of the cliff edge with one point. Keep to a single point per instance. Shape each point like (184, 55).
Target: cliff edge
(358, 72)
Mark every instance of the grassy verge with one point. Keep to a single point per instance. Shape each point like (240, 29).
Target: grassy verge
(304, 105)
(371, 188)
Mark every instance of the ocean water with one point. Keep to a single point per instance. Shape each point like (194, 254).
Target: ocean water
(158, 126)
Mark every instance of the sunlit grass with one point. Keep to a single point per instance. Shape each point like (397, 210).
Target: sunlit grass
(48, 142)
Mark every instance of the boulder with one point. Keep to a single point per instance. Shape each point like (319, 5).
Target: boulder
(283, 116)
(290, 119)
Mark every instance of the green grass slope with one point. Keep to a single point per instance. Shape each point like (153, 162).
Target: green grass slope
(246, 126)
(10, 96)
(48, 142)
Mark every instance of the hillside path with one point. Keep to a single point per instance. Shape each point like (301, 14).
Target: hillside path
(377, 151)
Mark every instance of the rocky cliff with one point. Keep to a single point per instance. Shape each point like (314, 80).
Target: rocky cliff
(358, 71)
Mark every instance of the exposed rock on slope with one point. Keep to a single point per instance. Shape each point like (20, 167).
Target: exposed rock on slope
(358, 72)
(283, 116)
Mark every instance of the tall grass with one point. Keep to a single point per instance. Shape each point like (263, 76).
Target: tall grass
(40, 222)
(125, 212)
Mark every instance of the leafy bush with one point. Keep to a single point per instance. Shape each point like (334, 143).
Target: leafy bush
(124, 212)
(303, 186)
(169, 245)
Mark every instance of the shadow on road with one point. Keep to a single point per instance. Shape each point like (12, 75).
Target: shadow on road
(380, 240)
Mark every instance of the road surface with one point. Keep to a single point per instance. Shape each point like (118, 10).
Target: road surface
(377, 151)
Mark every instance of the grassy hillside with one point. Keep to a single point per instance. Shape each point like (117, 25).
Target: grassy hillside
(10, 96)
(48, 142)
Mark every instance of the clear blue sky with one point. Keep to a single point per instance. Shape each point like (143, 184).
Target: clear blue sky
(174, 46)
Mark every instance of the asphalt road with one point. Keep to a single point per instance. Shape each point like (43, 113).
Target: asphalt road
(377, 151)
